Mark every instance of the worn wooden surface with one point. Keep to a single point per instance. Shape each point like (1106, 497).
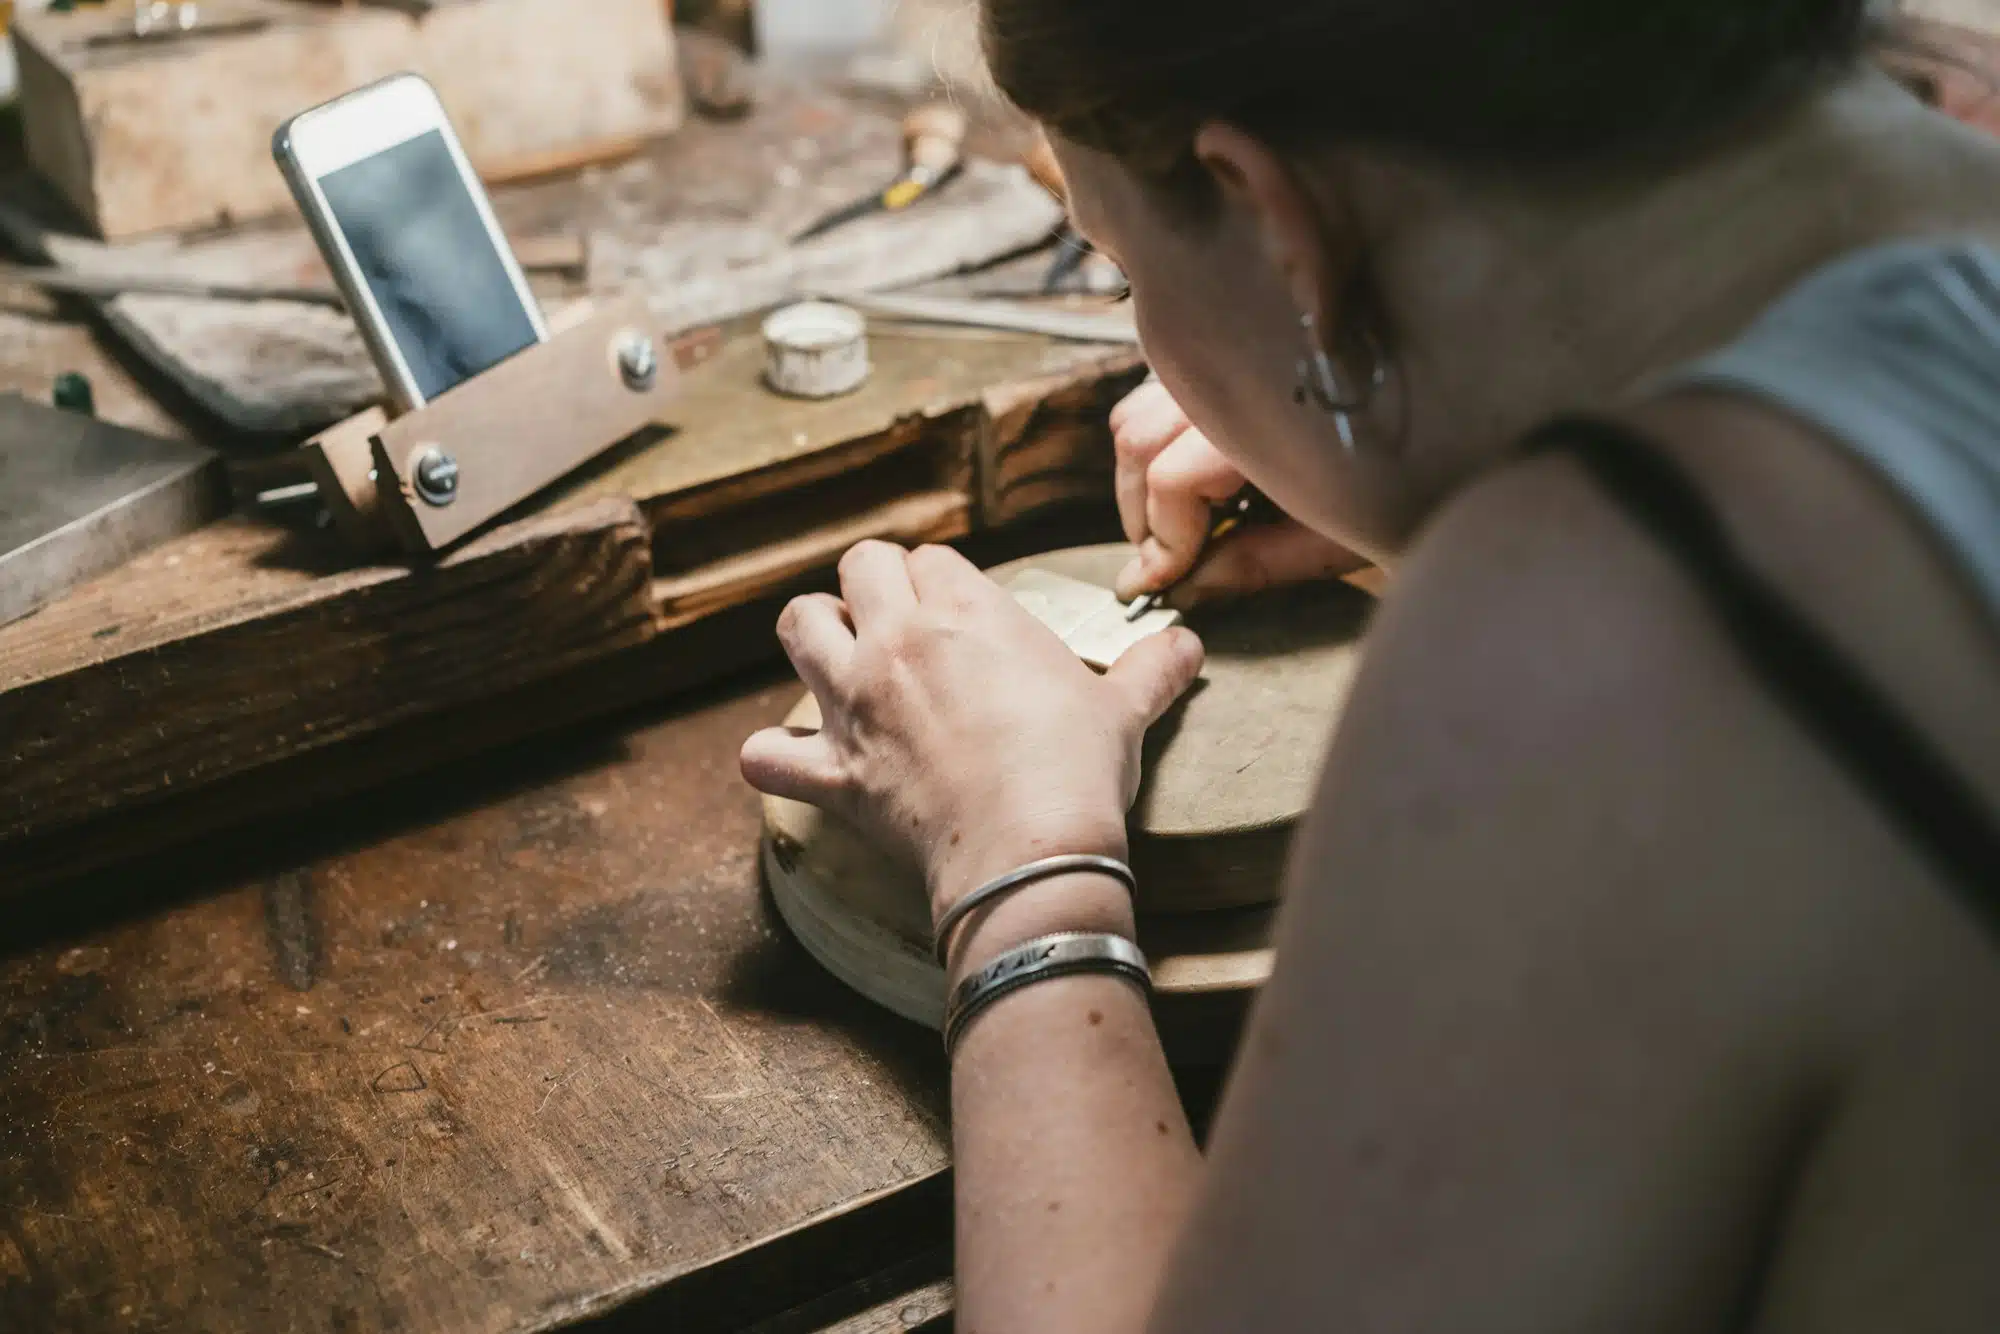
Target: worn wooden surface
(137, 141)
(502, 1048)
(225, 651)
(925, 1310)
(134, 688)
(700, 223)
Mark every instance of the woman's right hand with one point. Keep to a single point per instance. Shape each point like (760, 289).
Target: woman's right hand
(1170, 478)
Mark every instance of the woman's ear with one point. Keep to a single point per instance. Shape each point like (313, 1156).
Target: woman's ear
(1261, 187)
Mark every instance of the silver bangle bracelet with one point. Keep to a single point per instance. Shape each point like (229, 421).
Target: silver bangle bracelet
(1046, 869)
(1041, 960)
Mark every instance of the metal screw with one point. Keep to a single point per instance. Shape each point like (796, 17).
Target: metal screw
(638, 362)
(436, 476)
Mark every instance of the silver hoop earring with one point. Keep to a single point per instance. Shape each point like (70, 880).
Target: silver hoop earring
(1319, 383)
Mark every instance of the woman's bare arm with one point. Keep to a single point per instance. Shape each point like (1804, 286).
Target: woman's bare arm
(1075, 1167)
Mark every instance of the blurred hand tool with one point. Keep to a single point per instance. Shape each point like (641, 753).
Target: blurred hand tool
(934, 153)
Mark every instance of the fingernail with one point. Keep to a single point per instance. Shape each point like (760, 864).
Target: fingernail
(1127, 582)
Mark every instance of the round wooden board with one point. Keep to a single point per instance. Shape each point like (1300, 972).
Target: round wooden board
(1227, 776)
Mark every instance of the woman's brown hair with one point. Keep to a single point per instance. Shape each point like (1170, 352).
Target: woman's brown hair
(1558, 84)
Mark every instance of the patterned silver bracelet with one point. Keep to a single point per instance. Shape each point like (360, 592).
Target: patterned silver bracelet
(1046, 869)
(1042, 960)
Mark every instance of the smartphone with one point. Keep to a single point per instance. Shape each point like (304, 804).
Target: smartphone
(410, 236)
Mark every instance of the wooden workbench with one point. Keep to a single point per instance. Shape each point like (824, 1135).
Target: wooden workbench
(257, 667)
(514, 1042)
(496, 1050)
(492, 1051)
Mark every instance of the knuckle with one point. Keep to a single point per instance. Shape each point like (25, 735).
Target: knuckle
(935, 559)
(1135, 443)
(1167, 472)
(862, 552)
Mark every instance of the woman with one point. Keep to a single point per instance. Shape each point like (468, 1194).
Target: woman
(1638, 968)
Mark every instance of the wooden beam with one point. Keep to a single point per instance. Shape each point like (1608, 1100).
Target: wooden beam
(237, 672)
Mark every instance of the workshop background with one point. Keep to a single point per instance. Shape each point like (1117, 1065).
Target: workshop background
(386, 938)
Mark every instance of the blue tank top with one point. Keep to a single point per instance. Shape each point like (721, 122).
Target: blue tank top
(1894, 353)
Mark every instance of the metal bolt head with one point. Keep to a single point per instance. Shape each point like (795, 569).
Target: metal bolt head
(435, 474)
(638, 362)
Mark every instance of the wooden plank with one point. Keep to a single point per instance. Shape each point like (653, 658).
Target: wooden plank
(1046, 441)
(518, 1044)
(926, 1310)
(721, 647)
(930, 516)
(136, 140)
(901, 465)
(234, 647)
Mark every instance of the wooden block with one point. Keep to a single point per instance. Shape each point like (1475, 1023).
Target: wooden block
(1228, 774)
(107, 698)
(234, 647)
(140, 138)
(1044, 443)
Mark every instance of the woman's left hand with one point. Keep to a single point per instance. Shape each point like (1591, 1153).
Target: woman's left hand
(959, 730)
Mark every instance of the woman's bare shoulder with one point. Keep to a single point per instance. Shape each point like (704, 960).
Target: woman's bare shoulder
(1589, 947)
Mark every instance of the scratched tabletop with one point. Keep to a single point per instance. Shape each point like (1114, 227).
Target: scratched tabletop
(496, 1050)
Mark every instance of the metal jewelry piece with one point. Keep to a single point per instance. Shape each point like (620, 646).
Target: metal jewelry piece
(1319, 382)
(1046, 869)
(1042, 960)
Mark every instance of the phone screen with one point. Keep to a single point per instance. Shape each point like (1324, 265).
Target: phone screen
(429, 261)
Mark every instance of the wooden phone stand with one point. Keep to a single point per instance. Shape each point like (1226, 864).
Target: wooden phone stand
(422, 481)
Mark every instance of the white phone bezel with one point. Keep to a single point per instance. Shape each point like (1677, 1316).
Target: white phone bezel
(351, 129)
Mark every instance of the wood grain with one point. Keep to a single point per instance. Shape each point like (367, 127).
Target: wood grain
(1044, 444)
(518, 1045)
(180, 621)
(226, 650)
(137, 141)
(1227, 776)
(926, 1310)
